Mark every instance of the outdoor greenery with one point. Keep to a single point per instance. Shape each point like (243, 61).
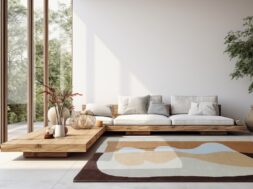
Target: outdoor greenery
(240, 47)
(60, 56)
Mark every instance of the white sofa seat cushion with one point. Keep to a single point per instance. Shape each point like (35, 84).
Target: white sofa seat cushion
(184, 119)
(106, 120)
(142, 119)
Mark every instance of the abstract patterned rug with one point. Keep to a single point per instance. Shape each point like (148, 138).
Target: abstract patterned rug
(170, 161)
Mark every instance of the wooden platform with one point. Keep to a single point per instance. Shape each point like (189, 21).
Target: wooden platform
(34, 144)
(178, 128)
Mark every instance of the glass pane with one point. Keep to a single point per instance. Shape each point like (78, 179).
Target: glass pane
(60, 43)
(38, 63)
(0, 63)
(17, 68)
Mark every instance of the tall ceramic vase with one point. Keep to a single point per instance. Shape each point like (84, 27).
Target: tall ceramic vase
(249, 119)
(53, 118)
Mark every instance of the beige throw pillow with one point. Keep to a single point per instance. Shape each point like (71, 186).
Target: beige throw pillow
(133, 105)
(203, 108)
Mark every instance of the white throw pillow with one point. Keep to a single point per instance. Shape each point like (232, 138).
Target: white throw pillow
(203, 108)
(99, 110)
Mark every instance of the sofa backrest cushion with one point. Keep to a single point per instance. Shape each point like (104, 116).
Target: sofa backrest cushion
(182, 104)
(203, 108)
(157, 99)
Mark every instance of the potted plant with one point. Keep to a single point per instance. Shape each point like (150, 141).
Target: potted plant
(239, 46)
(61, 102)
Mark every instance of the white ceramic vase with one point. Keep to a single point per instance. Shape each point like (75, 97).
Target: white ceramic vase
(249, 119)
(59, 131)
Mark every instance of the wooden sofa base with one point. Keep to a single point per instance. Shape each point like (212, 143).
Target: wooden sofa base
(178, 128)
(138, 132)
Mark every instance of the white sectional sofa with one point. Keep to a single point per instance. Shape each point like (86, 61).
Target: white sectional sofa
(178, 118)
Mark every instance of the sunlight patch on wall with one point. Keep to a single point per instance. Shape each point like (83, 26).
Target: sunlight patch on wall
(137, 87)
(107, 74)
(79, 62)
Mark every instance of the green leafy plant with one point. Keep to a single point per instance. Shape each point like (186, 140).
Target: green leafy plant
(60, 99)
(239, 46)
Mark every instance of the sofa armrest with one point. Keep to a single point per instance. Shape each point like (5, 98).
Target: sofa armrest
(114, 109)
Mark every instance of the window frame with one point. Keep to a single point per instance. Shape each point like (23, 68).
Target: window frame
(3, 65)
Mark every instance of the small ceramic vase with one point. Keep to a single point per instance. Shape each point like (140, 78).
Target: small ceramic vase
(59, 131)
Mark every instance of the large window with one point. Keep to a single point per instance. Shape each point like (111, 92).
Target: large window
(0, 70)
(17, 67)
(38, 39)
(58, 64)
(60, 40)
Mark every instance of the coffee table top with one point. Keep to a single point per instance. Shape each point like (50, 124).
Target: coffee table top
(75, 141)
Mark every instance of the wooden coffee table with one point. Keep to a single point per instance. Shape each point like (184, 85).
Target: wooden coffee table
(34, 144)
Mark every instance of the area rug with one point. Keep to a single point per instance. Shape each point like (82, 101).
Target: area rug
(170, 161)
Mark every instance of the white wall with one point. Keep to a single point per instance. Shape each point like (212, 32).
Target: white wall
(168, 47)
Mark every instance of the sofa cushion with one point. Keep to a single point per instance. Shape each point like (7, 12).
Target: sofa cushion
(106, 120)
(142, 119)
(182, 104)
(203, 108)
(185, 119)
(133, 105)
(158, 108)
(99, 110)
(156, 99)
